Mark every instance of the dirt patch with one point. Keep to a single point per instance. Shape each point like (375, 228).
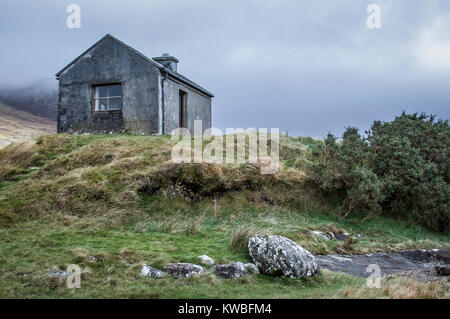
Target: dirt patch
(199, 181)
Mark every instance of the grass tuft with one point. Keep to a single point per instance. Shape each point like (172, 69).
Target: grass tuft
(239, 238)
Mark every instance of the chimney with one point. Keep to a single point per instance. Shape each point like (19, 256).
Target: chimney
(168, 61)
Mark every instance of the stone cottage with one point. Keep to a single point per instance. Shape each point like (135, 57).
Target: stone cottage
(111, 87)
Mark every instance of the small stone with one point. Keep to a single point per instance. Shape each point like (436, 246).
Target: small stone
(206, 260)
(442, 270)
(181, 270)
(58, 273)
(321, 234)
(149, 271)
(233, 270)
(341, 236)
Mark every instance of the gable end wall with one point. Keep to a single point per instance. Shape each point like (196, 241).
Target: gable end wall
(109, 62)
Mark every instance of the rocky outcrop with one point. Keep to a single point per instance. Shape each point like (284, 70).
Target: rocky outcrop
(233, 270)
(181, 270)
(407, 261)
(280, 256)
(423, 255)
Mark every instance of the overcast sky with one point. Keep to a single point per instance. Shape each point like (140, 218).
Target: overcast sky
(305, 66)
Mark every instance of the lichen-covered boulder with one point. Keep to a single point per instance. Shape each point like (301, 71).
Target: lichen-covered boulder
(280, 256)
(149, 271)
(181, 270)
(233, 270)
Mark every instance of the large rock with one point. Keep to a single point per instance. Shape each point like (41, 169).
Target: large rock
(280, 256)
(149, 271)
(181, 270)
(233, 270)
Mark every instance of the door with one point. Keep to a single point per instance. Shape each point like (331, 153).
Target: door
(183, 109)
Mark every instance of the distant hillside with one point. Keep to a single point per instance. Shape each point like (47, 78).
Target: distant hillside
(37, 99)
(18, 125)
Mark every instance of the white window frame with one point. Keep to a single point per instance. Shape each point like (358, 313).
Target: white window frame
(107, 98)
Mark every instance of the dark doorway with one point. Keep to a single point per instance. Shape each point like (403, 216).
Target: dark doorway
(183, 103)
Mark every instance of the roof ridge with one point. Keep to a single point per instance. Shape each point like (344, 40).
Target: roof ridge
(106, 36)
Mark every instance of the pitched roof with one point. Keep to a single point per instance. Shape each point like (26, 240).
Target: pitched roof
(172, 74)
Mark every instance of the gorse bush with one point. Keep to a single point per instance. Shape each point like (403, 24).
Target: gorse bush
(344, 169)
(401, 167)
(411, 156)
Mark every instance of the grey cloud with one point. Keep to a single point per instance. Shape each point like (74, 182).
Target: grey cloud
(307, 66)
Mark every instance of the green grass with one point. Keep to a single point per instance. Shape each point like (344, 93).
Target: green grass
(32, 249)
(27, 254)
(87, 199)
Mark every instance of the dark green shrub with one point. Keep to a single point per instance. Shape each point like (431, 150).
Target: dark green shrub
(344, 170)
(402, 167)
(411, 156)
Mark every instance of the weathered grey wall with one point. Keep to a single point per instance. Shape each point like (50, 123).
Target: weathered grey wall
(198, 106)
(109, 62)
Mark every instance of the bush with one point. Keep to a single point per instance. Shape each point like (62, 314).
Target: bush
(401, 168)
(411, 156)
(343, 170)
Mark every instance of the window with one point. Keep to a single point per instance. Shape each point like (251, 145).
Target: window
(108, 97)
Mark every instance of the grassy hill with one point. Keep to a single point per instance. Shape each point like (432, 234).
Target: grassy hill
(110, 203)
(16, 125)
